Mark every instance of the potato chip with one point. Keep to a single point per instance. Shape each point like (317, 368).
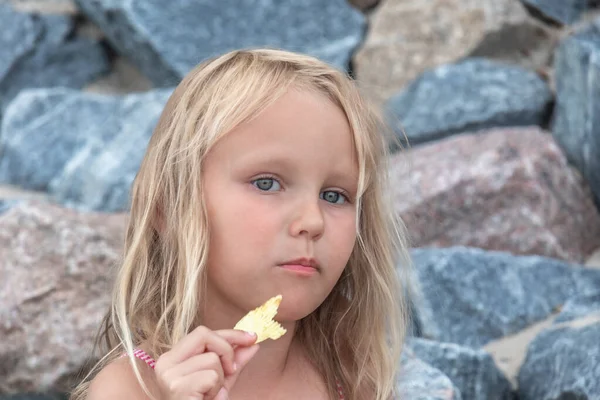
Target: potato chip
(260, 321)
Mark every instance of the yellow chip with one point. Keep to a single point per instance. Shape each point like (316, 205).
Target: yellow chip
(260, 320)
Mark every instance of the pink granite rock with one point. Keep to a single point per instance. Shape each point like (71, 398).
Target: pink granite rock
(55, 278)
(505, 189)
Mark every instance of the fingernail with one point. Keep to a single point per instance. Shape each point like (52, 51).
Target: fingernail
(251, 334)
(235, 366)
(223, 394)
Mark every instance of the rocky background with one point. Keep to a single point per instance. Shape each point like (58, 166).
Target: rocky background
(499, 186)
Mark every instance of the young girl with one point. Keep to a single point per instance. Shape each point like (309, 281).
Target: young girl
(266, 175)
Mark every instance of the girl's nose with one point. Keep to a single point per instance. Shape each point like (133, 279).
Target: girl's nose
(308, 219)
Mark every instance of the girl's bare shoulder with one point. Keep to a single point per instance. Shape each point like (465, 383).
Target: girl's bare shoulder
(117, 380)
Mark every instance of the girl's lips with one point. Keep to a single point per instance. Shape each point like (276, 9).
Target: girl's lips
(299, 269)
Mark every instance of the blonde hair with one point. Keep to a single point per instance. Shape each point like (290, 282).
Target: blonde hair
(356, 335)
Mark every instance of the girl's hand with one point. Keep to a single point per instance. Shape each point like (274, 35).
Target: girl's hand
(204, 364)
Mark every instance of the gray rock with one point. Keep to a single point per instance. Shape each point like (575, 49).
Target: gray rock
(562, 11)
(576, 124)
(19, 35)
(96, 151)
(418, 380)
(579, 306)
(562, 363)
(167, 42)
(7, 204)
(36, 396)
(473, 371)
(41, 53)
(471, 297)
(468, 96)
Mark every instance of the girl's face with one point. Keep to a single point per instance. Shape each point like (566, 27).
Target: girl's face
(278, 188)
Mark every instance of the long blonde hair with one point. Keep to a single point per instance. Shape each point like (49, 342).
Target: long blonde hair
(356, 335)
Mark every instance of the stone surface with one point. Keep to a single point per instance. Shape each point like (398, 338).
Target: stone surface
(508, 189)
(9, 192)
(124, 78)
(96, 152)
(364, 5)
(41, 53)
(577, 114)
(593, 260)
(408, 37)
(420, 381)
(471, 297)
(468, 96)
(19, 35)
(473, 371)
(54, 289)
(562, 363)
(63, 7)
(35, 396)
(509, 351)
(167, 42)
(562, 11)
(580, 306)
(6, 205)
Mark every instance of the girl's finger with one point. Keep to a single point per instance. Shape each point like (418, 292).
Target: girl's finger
(200, 362)
(203, 339)
(196, 342)
(203, 384)
(236, 337)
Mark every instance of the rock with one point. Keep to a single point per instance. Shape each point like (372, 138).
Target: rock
(41, 53)
(576, 123)
(364, 5)
(55, 277)
(420, 381)
(468, 96)
(473, 371)
(123, 79)
(408, 37)
(507, 189)
(562, 363)
(580, 306)
(6, 205)
(167, 42)
(471, 297)
(593, 260)
(9, 192)
(63, 7)
(36, 396)
(96, 152)
(19, 35)
(561, 11)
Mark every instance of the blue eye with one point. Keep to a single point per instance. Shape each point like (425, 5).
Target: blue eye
(333, 197)
(265, 184)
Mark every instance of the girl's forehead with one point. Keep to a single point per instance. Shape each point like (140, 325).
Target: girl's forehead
(297, 123)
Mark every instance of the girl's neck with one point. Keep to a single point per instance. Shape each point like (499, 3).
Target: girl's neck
(278, 370)
(275, 360)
